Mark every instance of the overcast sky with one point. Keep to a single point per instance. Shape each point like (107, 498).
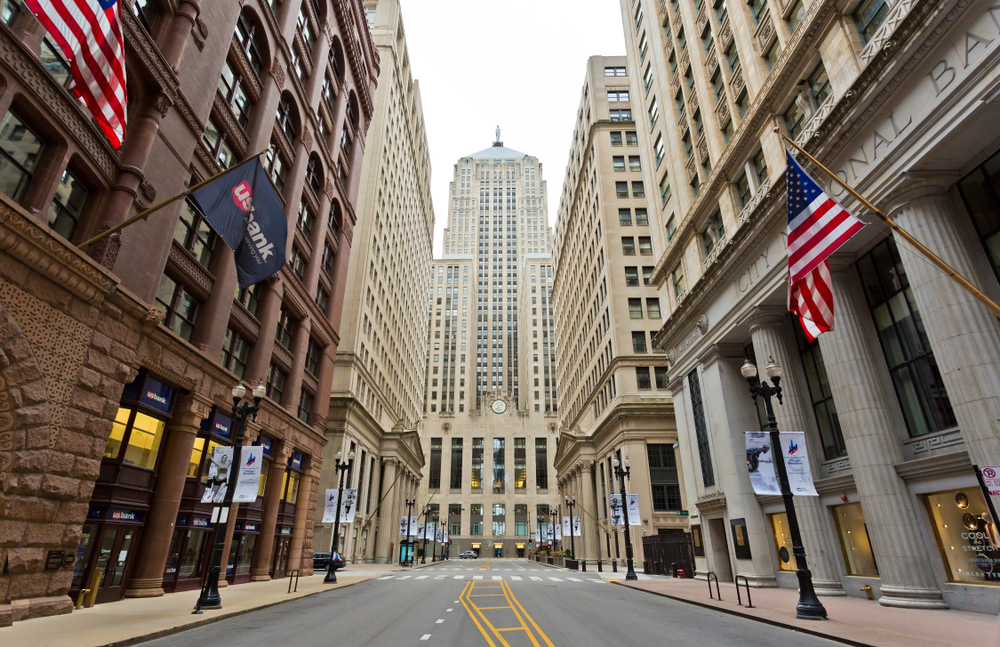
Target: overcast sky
(518, 64)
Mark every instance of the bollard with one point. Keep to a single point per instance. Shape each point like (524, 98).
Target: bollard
(614, 565)
(95, 587)
(600, 566)
(583, 565)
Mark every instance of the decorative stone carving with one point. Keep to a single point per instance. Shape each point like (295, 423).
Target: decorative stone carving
(675, 84)
(198, 279)
(880, 39)
(737, 82)
(702, 18)
(685, 61)
(703, 149)
(307, 140)
(701, 327)
(328, 189)
(765, 33)
(725, 32)
(349, 232)
(283, 356)
(148, 190)
(6, 433)
(163, 103)
(278, 73)
(693, 102)
(691, 168)
(244, 322)
(722, 109)
(239, 57)
(200, 33)
(713, 255)
(758, 197)
(446, 427)
(712, 62)
(105, 251)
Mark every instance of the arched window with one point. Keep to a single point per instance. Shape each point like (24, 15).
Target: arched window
(232, 86)
(147, 12)
(314, 174)
(337, 60)
(335, 216)
(287, 117)
(246, 36)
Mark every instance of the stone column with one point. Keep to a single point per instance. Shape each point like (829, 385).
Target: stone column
(591, 534)
(872, 435)
(268, 311)
(293, 385)
(964, 334)
(769, 332)
(180, 33)
(147, 576)
(260, 568)
(302, 513)
(385, 536)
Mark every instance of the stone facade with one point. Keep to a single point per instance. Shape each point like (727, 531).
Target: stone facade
(617, 400)
(903, 109)
(118, 360)
(375, 404)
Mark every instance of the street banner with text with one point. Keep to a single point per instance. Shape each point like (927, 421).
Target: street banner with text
(617, 516)
(567, 530)
(576, 526)
(989, 479)
(349, 506)
(330, 508)
(793, 447)
(558, 531)
(760, 464)
(634, 518)
(247, 478)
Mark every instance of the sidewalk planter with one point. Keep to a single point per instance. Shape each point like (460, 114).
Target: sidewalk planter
(573, 564)
(550, 560)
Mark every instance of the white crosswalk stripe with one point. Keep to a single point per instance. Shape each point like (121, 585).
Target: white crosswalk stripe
(477, 577)
(573, 579)
(516, 578)
(459, 577)
(422, 577)
(405, 577)
(439, 577)
(536, 579)
(555, 579)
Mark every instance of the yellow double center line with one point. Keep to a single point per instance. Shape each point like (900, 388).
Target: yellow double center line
(475, 612)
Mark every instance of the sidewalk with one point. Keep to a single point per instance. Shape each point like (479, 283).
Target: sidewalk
(135, 620)
(854, 621)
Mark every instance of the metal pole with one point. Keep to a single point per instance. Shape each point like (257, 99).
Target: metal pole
(622, 473)
(809, 606)
(331, 572)
(210, 598)
(423, 551)
(572, 541)
(409, 509)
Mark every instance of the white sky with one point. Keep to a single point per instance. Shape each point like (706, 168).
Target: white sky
(521, 64)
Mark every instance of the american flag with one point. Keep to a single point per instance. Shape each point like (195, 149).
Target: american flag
(90, 36)
(817, 227)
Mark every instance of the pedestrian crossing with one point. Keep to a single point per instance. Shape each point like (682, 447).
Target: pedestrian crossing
(511, 578)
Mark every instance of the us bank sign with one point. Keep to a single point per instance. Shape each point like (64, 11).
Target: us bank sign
(930, 89)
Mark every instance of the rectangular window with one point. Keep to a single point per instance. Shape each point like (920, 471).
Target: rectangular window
(632, 277)
(701, 429)
(616, 138)
(654, 112)
(283, 331)
(20, 150)
(677, 278)
(476, 477)
(643, 46)
(658, 149)
(653, 307)
(275, 383)
(647, 275)
(965, 532)
(743, 189)
(235, 351)
(628, 245)
(631, 138)
(981, 192)
(671, 228)
(647, 78)
(616, 96)
(854, 540)
(193, 233)
(758, 7)
(625, 217)
(665, 193)
(434, 477)
(634, 164)
(618, 162)
(621, 189)
(638, 341)
(822, 399)
(743, 103)
(67, 205)
(869, 16)
(661, 378)
(921, 392)
(645, 246)
(819, 84)
(456, 464)
(773, 54)
(614, 71)
(305, 405)
(499, 467)
(520, 464)
(642, 378)
(641, 218)
(638, 191)
(180, 306)
(732, 57)
(760, 167)
(541, 464)
(795, 16)
(635, 309)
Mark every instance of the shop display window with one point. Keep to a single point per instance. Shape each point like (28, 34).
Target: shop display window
(967, 535)
(207, 457)
(139, 434)
(782, 541)
(854, 540)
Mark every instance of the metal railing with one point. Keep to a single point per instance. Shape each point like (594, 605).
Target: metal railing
(295, 574)
(746, 583)
(710, 575)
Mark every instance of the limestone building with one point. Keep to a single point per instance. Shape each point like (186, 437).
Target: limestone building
(489, 432)
(123, 355)
(615, 396)
(378, 382)
(898, 401)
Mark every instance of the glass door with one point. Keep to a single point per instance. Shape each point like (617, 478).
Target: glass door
(279, 557)
(113, 560)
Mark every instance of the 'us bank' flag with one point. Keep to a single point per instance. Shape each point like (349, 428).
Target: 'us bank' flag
(817, 227)
(244, 210)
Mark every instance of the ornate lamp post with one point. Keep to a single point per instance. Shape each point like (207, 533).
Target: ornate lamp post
(809, 606)
(423, 551)
(571, 503)
(622, 474)
(340, 466)
(410, 502)
(242, 410)
(434, 554)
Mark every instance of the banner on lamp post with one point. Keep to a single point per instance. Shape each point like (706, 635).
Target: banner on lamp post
(404, 525)
(617, 516)
(634, 518)
(760, 464)
(330, 508)
(558, 531)
(576, 526)
(567, 529)
(793, 448)
(349, 506)
(247, 476)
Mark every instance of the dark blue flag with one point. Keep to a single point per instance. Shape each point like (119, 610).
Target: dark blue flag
(244, 210)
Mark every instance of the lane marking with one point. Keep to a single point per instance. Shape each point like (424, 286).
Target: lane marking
(405, 577)
(573, 579)
(535, 579)
(516, 578)
(447, 610)
(458, 577)
(498, 577)
(439, 621)
(530, 619)
(422, 577)
(425, 637)
(555, 579)
(477, 577)
(440, 577)
(468, 586)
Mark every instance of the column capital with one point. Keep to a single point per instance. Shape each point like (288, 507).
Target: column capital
(763, 315)
(841, 261)
(191, 409)
(915, 185)
(719, 351)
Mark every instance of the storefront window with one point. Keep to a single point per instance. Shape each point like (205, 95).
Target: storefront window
(782, 541)
(141, 435)
(981, 192)
(967, 535)
(291, 486)
(265, 468)
(854, 540)
(246, 553)
(196, 453)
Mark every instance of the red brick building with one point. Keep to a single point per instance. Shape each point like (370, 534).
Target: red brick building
(116, 362)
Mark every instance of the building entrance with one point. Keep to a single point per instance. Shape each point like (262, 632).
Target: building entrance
(112, 558)
(720, 550)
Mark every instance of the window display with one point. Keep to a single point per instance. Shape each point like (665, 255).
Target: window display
(967, 535)
(854, 540)
(782, 541)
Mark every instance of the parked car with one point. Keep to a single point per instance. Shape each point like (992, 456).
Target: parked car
(469, 554)
(321, 561)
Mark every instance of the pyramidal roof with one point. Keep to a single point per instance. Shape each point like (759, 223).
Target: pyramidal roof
(497, 152)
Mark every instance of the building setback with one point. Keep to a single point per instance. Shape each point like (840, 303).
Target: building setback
(122, 357)
(898, 401)
(489, 433)
(378, 382)
(616, 401)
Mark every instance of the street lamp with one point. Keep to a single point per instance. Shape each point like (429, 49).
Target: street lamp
(423, 551)
(242, 410)
(410, 502)
(622, 474)
(809, 606)
(571, 503)
(340, 466)
(447, 526)
(434, 555)
(554, 514)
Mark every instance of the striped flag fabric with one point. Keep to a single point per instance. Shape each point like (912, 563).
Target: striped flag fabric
(89, 34)
(817, 227)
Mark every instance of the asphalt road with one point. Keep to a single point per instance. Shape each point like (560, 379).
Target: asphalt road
(489, 603)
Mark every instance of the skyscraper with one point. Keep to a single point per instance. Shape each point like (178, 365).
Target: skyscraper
(491, 284)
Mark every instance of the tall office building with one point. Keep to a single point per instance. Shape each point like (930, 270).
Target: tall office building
(616, 400)
(378, 381)
(483, 348)
(894, 401)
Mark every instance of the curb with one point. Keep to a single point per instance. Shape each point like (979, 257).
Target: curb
(163, 633)
(739, 614)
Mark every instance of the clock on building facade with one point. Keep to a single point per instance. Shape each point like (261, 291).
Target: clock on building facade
(498, 406)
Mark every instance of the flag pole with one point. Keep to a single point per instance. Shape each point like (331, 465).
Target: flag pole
(142, 215)
(920, 247)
